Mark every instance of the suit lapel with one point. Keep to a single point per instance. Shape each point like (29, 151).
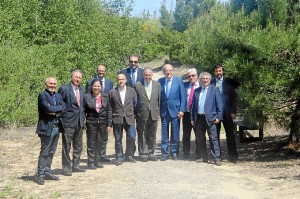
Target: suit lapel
(72, 93)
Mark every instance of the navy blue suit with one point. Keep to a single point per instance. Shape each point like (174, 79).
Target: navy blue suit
(50, 107)
(169, 108)
(229, 97)
(213, 110)
(139, 77)
(73, 122)
(108, 85)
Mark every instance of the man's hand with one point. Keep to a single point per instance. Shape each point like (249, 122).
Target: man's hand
(108, 129)
(192, 123)
(180, 114)
(233, 115)
(217, 121)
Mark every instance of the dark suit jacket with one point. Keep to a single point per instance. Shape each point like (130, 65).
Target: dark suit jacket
(120, 111)
(107, 83)
(177, 98)
(229, 97)
(145, 106)
(104, 117)
(45, 106)
(127, 73)
(213, 105)
(73, 114)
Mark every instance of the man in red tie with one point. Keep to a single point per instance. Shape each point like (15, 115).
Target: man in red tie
(190, 86)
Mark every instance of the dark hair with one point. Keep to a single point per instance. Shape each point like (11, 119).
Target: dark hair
(218, 66)
(93, 82)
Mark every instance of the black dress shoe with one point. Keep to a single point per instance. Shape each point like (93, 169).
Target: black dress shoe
(186, 157)
(104, 160)
(67, 173)
(119, 162)
(40, 181)
(78, 169)
(217, 162)
(152, 158)
(233, 159)
(174, 158)
(92, 167)
(164, 158)
(99, 165)
(130, 159)
(144, 159)
(51, 177)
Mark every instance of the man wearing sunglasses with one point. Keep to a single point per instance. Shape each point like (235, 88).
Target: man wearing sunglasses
(133, 73)
(187, 127)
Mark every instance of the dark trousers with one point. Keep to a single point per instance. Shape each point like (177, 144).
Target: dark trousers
(146, 136)
(201, 127)
(71, 136)
(97, 137)
(48, 148)
(130, 139)
(186, 136)
(230, 137)
(174, 138)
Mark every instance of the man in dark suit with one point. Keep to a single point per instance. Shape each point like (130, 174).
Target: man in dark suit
(133, 73)
(172, 107)
(206, 113)
(148, 104)
(123, 101)
(106, 84)
(73, 123)
(50, 106)
(187, 127)
(229, 97)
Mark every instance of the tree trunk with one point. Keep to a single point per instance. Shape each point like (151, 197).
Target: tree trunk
(295, 124)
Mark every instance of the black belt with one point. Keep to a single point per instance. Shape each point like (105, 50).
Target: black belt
(201, 115)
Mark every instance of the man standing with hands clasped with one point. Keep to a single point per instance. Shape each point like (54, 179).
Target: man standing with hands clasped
(148, 103)
(206, 113)
(229, 97)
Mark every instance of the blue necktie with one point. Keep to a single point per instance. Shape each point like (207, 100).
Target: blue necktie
(133, 77)
(202, 101)
(168, 88)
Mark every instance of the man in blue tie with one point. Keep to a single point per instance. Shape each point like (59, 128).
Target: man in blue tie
(172, 107)
(229, 97)
(206, 113)
(133, 73)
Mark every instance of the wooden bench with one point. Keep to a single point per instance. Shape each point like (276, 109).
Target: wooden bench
(242, 128)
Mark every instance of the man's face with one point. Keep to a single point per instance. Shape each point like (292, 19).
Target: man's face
(168, 71)
(193, 77)
(133, 62)
(101, 71)
(76, 78)
(121, 81)
(148, 76)
(51, 84)
(218, 72)
(205, 81)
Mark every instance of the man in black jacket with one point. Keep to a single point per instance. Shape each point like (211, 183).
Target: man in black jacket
(50, 107)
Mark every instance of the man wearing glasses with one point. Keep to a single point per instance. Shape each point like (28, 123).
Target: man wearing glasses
(190, 87)
(133, 73)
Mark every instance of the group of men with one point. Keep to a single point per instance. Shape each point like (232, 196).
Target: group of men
(138, 99)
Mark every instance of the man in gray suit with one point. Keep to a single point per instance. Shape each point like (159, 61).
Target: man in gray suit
(123, 101)
(73, 123)
(148, 104)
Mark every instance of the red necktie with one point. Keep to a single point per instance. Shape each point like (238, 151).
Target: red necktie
(77, 96)
(191, 96)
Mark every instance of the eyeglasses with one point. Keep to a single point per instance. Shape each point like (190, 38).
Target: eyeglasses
(133, 62)
(191, 76)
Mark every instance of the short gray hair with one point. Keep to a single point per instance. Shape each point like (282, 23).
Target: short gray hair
(76, 71)
(148, 69)
(192, 70)
(47, 79)
(205, 74)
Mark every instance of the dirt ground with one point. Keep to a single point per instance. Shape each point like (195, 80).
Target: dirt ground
(266, 169)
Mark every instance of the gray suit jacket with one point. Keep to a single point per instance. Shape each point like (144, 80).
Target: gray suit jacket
(120, 111)
(146, 106)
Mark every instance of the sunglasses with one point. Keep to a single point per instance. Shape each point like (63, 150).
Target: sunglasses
(133, 62)
(191, 76)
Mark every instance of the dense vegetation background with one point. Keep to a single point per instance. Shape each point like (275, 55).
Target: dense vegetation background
(258, 41)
